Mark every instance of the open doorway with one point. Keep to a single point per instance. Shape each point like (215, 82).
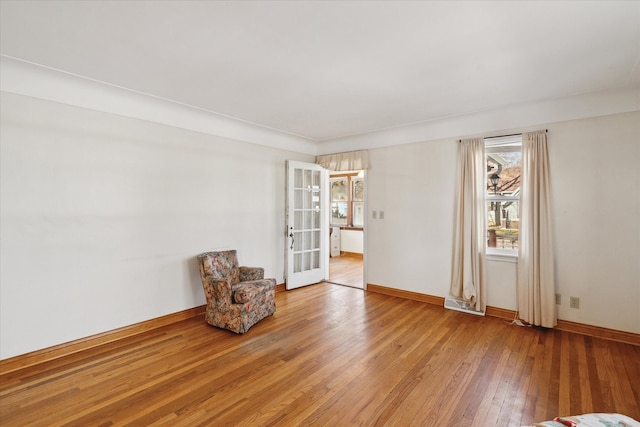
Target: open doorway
(347, 222)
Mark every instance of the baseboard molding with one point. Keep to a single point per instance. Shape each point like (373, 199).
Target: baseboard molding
(66, 349)
(502, 313)
(352, 254)
(281, 287)
(415, 296)
(599, 332)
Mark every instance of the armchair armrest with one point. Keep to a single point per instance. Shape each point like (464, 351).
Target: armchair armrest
(251, 273)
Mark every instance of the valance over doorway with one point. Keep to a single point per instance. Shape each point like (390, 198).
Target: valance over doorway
(350, 161)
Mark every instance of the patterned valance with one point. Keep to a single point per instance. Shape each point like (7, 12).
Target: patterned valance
(351, 161)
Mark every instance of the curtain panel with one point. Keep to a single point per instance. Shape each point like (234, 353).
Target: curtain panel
(536, 276)
(469, 245)
(351, 161)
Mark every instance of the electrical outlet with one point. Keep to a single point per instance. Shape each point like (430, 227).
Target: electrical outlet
(374, 214)
(558, 299)
(574, 302)
(381, 214)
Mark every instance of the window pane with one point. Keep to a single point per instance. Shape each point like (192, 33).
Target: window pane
(339, 213)
(358, 214)
(339, 189)
(358, 189)
(503, 173)
(502, 224)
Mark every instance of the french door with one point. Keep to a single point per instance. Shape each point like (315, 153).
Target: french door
(307, 224)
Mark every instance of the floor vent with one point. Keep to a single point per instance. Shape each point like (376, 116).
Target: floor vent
(458, 305)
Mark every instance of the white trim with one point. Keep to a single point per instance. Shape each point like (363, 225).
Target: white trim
(25, 78)
(29, 79)
(502, 255)
(520, 117)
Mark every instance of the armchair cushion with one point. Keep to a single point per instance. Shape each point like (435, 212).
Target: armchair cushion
(244, 292)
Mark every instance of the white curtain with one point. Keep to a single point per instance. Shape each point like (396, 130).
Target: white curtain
(536, 277)
(351, 161)
(469, 245)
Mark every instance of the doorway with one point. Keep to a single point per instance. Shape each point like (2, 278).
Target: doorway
(347, 228)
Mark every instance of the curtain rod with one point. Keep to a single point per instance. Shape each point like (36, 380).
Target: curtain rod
(504, 136)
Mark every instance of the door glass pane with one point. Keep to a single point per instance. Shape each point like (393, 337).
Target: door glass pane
(307, 240)
(306, 261)
(297, 220)
(307, 220)
(316, 240)
(297, 243)
(297, 199)
(316, 219)
(297, 178)
(307, 179)
(316, 259)
(306, 203)
(297, 263)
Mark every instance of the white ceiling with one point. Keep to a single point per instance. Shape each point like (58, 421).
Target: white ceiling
(330, 69)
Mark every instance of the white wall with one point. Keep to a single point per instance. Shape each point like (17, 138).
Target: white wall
(596, 194)
(102, 216)
(352, 241)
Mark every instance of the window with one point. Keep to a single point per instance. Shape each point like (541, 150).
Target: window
(347, 200)
(504, 162)
(357, 202)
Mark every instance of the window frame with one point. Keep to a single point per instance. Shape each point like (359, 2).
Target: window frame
(504, 144)
(350, 178)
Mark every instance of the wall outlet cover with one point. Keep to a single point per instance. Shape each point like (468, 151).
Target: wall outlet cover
(574, 302)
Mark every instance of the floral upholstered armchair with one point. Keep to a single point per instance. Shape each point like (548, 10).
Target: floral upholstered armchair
(237, 297)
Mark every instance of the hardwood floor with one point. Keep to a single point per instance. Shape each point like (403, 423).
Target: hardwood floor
(331, 356)
(347, 270)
